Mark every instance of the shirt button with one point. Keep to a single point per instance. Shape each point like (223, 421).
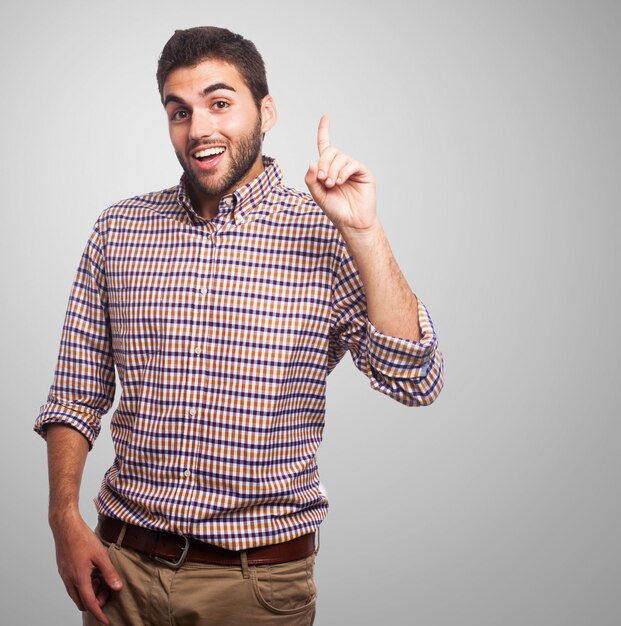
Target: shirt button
(187, 473)
(192, 412)
(204, 290)
(197, 351)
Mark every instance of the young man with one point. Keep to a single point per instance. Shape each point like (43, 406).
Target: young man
(223, 303)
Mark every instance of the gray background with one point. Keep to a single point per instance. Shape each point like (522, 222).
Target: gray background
(493, 129)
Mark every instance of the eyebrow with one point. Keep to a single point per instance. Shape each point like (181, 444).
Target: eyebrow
(211, 88)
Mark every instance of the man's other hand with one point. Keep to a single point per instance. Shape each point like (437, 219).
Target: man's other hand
(84, 566)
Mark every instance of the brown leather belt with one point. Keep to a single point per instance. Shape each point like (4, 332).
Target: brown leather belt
(176, 549)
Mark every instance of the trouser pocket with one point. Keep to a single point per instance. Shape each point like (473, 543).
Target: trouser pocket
(285, 588)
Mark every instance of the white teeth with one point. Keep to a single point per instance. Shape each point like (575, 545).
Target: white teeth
(208, 152)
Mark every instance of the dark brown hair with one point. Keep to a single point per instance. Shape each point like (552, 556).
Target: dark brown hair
(188, 48)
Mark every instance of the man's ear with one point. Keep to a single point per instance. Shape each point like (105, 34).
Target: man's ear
(268, 113)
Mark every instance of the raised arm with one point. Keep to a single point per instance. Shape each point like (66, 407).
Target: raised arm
(345, 190)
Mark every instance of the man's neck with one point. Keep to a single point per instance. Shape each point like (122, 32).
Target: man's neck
(205, 206)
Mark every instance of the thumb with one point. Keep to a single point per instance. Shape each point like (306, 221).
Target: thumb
(108, 573)
(314, 185)
(311, 174)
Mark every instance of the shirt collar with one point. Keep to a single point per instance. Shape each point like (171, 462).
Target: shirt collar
(242, 204)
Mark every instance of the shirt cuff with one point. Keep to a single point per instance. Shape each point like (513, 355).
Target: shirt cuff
(403, 358)
(69, 414)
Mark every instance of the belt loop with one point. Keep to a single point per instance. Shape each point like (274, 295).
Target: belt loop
(119, 540)
(244, 564)
(317, 540)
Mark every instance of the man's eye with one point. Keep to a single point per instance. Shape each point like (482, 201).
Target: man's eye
(221, 104)
(179, 115)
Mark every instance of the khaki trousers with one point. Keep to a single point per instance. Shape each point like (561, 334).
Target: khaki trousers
(155, 593)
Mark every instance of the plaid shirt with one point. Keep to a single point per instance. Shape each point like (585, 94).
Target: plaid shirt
(222, 332)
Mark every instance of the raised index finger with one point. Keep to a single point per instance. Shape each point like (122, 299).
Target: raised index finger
(323, 134)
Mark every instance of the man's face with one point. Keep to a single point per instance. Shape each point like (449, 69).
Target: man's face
(215, 128)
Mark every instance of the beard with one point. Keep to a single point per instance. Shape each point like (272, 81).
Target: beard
(242, 158)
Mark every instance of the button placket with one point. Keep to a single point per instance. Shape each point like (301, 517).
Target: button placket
(196, 349)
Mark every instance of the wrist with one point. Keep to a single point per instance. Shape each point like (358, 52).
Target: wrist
(61, 517)
(366, 238)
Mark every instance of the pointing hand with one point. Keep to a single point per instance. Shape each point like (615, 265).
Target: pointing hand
(343, 187)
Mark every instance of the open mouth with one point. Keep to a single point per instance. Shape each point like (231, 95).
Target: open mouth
(203, 155)
(209, 157)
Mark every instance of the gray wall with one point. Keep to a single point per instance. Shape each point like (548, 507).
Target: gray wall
(493, 130)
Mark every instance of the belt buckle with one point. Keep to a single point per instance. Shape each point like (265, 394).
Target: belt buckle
(177, 564)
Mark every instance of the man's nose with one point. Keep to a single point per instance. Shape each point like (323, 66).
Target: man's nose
(201, 125)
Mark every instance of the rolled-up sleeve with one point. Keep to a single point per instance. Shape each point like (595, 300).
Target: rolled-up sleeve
(411, 372)
(84, 382)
